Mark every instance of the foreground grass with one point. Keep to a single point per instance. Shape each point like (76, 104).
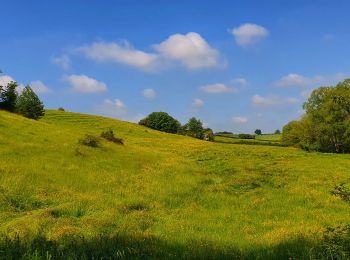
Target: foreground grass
(159, 195)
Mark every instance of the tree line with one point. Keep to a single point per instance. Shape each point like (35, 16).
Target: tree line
(325, 126)
(27, 103)
(162, 121)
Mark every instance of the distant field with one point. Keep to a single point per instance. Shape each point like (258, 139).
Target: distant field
(160, 195)
(266, 139)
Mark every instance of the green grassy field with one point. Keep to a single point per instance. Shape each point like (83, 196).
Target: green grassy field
(159, 195)
(266, 139)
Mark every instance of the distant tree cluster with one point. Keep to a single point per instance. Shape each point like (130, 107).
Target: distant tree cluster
(162, 121)
(27, 103)
(325, 127)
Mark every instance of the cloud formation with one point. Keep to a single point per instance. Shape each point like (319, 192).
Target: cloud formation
(114, 108)
(189, 50)
(248, 34)
(39, 87)
(240, 120)
(62, 61)
(5, 79)
(258, 100)
(85, 84)
(217, 88)
(296, 80)
(149, 93)
(197, 103)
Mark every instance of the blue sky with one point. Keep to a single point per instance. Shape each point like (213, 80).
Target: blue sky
(236, 65)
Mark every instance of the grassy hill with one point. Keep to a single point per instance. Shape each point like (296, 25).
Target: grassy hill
(159, 195)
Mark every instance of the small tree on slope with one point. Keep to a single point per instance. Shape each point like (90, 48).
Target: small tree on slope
(29, 105)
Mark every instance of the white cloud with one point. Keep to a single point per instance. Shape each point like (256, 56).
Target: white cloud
(149, 93)
(190, 49)
(239, 82)
(39, 87)
(239, 120)
(119, 53)
(85, 84)
(62, 61)
(5, 79)
(217, 88)
(294, 80)
(112, 107)
(248, 34)
(258, 100)
(197, 103)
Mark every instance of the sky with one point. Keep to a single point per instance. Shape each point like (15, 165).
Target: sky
(235, 65)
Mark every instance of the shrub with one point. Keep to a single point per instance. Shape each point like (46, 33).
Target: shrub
(61, 109)
(161, 121)
(109, 135)
(246, 136)
(29, 105)
(90, 140)
(208, 134)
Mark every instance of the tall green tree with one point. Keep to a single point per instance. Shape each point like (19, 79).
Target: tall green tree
(8, 96)
(325, 126)
(29, 105)
(194, 128)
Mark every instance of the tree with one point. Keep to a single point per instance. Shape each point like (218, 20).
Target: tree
(208, 134)
(161, 121)
(29, 105)
(325, 126)
(8, 96)
(194, 128)
(258, 132)
(277, 132)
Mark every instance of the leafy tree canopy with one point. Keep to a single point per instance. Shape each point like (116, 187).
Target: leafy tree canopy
(161, 121)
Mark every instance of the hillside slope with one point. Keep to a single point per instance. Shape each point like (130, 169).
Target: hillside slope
(192, 197)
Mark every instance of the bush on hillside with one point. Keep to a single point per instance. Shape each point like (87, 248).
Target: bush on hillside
(8, 96)
(109, 136)
(61, 109)
(91, 141)
(29, 105)
(161, 121)
(258, 132)
(194, 128)
(325, 127)
(246, 136)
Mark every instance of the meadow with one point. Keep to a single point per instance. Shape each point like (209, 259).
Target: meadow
(161, 195)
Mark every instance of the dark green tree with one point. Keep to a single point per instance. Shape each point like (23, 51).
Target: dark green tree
(258, 132)
(8, 96)
(161, 121)
(29, 105)
(194, 128)
(277, 132)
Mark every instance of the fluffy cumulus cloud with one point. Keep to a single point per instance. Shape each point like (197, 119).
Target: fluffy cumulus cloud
(240, 120)
(112, 108)
(119, 53)
(5, 79)
(217, 88)
(258, 100)
(149, 93)
(39, 87)
(189, 50)
(197, 103)
(296, 80)
(85, 84)
(248, 34)
(62, 61)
